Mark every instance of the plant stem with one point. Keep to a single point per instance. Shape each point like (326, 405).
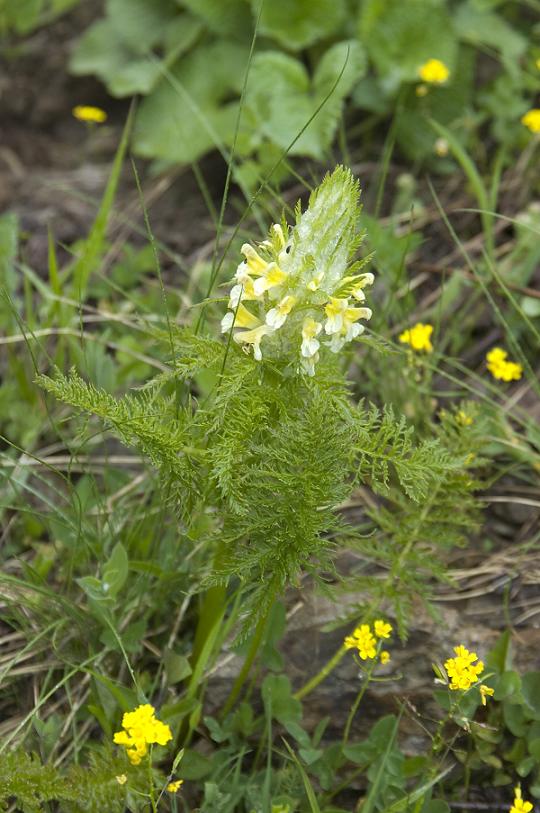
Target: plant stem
(320, 676)
(248, 662)
(356, 703)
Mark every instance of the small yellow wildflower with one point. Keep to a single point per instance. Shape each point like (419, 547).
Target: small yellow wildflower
(95, 115)
(520, 805)
(174, 787)
(363, 641)
(463, 419)
(121, 779)
(485, 692)
(501, 368)
(531, 120)
(384, 656)
(537, 63)
(141, 729)
(434, 72)
(382, 628)
(462, 670)
(419, 337)
(422, 90)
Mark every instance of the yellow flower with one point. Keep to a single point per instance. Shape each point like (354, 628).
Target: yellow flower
(277, 316)
(382, 628)
(463, 419)
(385, 656)
(537, 63)
(520, 805)
(141, 729)
(419, 337)
(502, 369)
(240, 318)
(531, 119)
(363, 641)
(87, 113)
(122, 779)
(485, 692)
(174, 787)
(422, 90)
(461, 670)
(434, 72)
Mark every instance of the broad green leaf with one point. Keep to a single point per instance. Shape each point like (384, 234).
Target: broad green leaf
(115, 570)
(191, 112)
(141, 24)
(103, 51)
(227, 18)
(479, 26)
(400, 37)
(281, 98)
(508, 685)
(530, 689)
(500, 656)
(177, 667)
(298, 23)
(277, 695)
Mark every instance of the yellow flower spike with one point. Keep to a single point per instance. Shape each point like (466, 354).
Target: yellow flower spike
(94, 115)
(485, 692)
(434, 72)
(121, 779)
(174, 787)
(382, 628)
(531, 120)
(461, 670)
(502, 369)
(418, 337)
(384, 657)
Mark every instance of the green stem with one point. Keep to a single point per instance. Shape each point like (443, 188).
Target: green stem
(248, 663)
(320, 676)
(356, 703)
(151, 783)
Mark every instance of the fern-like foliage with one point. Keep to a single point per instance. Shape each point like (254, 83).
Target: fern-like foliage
(147, 422)
(24, 780)
(280, 460)
(386, 449)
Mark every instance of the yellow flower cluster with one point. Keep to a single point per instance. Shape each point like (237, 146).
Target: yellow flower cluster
(141, 729)
(434, 72)
(364, 640)
(520, 805)
(311, 304)
(501, 368)
(95, 115)
(461, 670)
(174, 787)
(531, 120)
(418, 337)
